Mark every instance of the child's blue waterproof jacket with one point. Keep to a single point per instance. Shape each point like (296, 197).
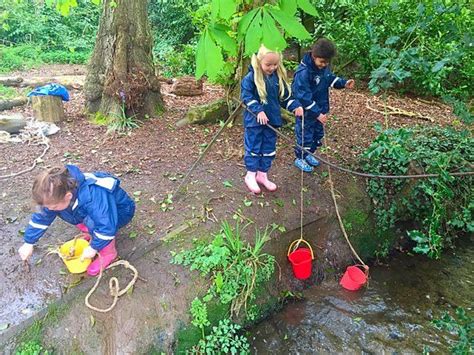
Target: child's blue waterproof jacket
(98, 201)
(250, 98)
(311, 86)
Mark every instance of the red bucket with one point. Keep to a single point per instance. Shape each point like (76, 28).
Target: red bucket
(301, 260)
(354, 278)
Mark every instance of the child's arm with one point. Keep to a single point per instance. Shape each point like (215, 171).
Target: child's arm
(103, 211)
(340, 83)
(249, 96)
(291, 104)
(302, 92)
(36, 228)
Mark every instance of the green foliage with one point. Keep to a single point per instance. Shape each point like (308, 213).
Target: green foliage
(227, 25)
(423, 47)
(31, 348)
(176, 61)
(442, 207)
(199, 313)
(224, 338)
(236, 267)
(34, 33)
(7, 92)
(462, 325)
(122, 122)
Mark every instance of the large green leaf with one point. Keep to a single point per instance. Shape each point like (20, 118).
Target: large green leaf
(288, 6)
(290, 24)
(272, 38)
(200, 56)
(213, 54)
(215, 9)
(227, 8)
(220, 34)
(307, 7)
(253, 37)
(245, 22)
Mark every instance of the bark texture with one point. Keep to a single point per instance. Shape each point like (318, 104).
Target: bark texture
(121, 73)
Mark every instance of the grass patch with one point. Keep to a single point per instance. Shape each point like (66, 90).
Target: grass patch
(7, 92)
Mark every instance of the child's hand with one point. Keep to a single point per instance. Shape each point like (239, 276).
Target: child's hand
(323, 118)
(262, 118)
(88, 253)
(299, 112)
(350, 84)
(25, 251)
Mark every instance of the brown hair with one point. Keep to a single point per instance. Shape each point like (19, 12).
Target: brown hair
(323, 48)
(51, 185)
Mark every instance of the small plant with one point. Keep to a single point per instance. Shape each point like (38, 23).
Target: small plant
(31, 347)
(236, 267)
(225, 339)
(199, 313)
(463, 325)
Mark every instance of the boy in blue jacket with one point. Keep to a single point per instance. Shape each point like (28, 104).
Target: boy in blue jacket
(265, 90)
(311, 84)
(95, 203)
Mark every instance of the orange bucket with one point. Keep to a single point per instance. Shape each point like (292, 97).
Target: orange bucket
(354, 278)
(301, 260)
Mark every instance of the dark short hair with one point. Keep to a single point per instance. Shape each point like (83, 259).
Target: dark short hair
(324, 48)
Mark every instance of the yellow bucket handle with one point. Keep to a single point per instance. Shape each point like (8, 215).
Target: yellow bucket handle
(298, 241)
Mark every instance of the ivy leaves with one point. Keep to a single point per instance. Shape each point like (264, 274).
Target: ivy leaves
(232, 25)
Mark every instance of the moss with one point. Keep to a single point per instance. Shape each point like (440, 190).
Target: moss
(360, 224)
(189, 335)
(34, 333)
(99, 119)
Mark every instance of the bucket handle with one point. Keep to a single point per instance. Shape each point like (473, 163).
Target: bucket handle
(297, 245)
(365, 267)
(67, 257)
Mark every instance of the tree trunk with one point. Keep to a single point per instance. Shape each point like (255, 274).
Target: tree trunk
(121, 75)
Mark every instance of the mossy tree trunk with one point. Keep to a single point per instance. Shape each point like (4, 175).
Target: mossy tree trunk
(121, 74)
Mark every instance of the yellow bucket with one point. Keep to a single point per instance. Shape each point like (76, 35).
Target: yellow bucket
(74, 263)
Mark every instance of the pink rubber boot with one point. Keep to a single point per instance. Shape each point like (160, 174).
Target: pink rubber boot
(252, 183)
(104, 259)
(85, 232)
(262, 178)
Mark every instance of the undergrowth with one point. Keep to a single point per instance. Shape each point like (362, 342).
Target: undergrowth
(443, 207)
(237, 269)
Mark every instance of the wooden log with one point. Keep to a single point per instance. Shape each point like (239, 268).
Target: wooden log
(9, 104)
(187, 86)
(11, 81)
(48, 108)
(209, 113)
(12, 124)
(68, 81)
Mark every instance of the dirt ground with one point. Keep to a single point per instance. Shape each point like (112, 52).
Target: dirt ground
(151, 161)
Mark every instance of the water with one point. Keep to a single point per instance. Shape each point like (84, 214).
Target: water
(393, 315)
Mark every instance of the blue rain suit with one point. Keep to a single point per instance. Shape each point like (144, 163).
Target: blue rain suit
(98, 201)
(311, 88)
(260, 140)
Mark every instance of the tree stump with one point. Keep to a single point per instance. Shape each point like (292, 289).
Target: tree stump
(48, 108)
(187, 86)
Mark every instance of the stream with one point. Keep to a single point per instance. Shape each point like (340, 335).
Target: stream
(393, 314)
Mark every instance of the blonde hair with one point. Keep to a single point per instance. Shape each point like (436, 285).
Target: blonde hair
(52, 185)
(259, 76)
